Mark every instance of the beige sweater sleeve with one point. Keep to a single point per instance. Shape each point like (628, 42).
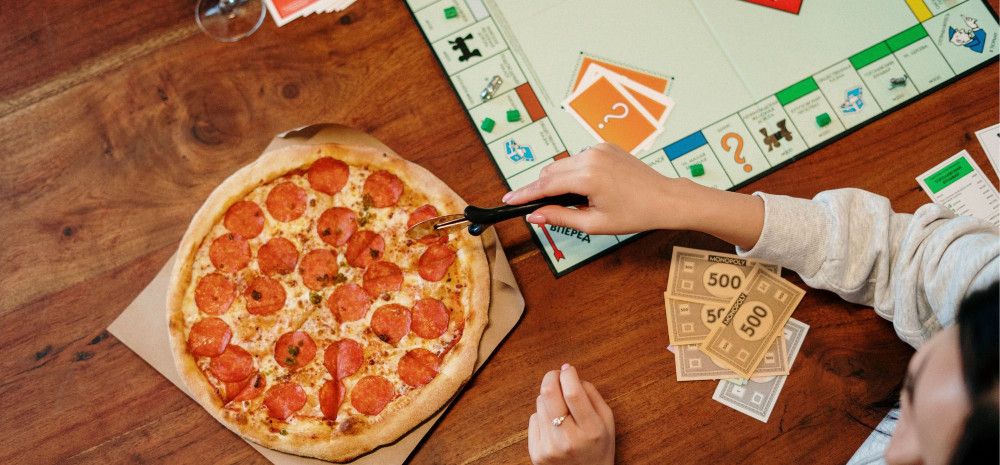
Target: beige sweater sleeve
(914, 270)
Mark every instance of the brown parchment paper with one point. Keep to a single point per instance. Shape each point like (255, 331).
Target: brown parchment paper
(143, 325)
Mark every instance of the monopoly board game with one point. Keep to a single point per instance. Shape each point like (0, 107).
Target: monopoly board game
(719, 91)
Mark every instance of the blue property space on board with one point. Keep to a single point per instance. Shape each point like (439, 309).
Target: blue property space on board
(685, 145)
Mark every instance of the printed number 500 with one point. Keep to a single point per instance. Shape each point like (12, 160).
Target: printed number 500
(757, 322)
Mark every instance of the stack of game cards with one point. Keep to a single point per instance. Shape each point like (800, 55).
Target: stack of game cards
(286, 11)
(619, 105)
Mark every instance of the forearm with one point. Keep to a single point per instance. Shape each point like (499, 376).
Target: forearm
(731, 216)
(913, 269)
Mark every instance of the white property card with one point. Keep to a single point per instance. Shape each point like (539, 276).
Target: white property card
(960, 185)
(989, 138)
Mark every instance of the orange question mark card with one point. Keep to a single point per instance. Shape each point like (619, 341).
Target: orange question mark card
(610, 115)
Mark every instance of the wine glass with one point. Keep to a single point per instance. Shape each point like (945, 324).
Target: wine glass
(229, 20)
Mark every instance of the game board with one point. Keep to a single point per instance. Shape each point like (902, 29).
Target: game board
(756, 84)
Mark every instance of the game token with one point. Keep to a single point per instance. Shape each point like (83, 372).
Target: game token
(513, 115)
(488, 124)
(491, 88)
(697, 169)
(823, 120)
(451, 12)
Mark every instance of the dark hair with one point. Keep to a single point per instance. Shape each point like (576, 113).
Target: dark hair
(977, 332)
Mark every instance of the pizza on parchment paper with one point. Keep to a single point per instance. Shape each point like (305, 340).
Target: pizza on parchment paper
(302, 318)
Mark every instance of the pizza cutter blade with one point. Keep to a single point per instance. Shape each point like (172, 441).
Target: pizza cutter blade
(479, 219)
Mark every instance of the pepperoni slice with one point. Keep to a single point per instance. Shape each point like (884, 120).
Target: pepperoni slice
(418, 367)
(327, 175)
(244, 218)
(284, 399)
(336, 225)
(286, 201)
(364, 248)
(391, 322)
(343, 358)
(435, 261)
(382, 276)
(277, 256)
(383, 188)
(331, 395)
(264, 296)
(214, 293)
(348, 302)
(234, 364)
(372, 394)
(209, 337)
(229, 253)
(318, 269)
(430, 318)
(294, 350)
(245, 390)
(422, 213)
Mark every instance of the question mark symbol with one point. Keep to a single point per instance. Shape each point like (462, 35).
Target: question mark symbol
(738, 156)
(611, 116)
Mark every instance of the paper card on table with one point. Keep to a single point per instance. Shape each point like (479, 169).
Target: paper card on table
(610, 114)
(688, 322)
(757, 315)
(709, 276)
(652, 81)
(961, 186)
(657, 104)
(691, 364)
(757, 396)
(284, 11)
(989, 138)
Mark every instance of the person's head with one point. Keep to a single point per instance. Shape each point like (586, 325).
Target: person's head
(948, 407)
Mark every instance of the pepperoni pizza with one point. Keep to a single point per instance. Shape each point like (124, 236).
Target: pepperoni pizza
(302, 318)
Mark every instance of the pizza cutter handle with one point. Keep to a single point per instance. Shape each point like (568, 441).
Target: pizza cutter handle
(483, 217)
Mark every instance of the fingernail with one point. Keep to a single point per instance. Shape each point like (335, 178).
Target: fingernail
(535, 218)
(507, 196)
(565, 366)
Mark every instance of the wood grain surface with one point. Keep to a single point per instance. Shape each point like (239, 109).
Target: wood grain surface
(117, 118)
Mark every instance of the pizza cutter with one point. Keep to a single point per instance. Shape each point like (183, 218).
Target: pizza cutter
(479, 219)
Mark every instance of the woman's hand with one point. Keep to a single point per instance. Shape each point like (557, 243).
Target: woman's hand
(586, 433)
(627, 196)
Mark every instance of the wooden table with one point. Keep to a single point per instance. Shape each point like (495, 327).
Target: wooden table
(117, 119)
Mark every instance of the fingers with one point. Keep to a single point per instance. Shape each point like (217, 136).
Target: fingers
(568, 175)
(576, 398)
(600, 406)
(562, 216)
(534, 439)
(556, 169)
(550, 401)
(547, 185)
(554, 441)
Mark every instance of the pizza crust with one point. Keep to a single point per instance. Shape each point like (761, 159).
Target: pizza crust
(402, 414)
